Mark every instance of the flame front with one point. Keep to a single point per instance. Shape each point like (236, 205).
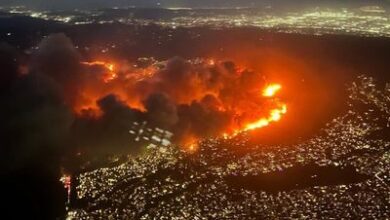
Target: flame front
(275, 114)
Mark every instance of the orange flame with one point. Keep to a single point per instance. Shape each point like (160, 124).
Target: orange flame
(274, 115)
(110, 67)
(271, 90)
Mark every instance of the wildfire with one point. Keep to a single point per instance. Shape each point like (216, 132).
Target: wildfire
(271, 90)
(274, 115)
(140, 81)
(110, 67)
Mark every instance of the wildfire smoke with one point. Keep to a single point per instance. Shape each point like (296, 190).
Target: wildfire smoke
(194, 98)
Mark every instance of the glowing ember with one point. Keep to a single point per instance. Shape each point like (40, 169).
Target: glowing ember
(271, 90)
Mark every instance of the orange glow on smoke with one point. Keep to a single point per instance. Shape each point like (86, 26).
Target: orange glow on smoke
(275, 115)
(110, 67)
(111, 77)
(236, 96)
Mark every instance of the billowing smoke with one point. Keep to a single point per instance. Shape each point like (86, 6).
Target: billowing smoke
(202, 119)
(108, 132)
(57, 58)
(57, 104)
(90, 104)
(35, 118)
(34, 133)
(194, 98)
(161, 111)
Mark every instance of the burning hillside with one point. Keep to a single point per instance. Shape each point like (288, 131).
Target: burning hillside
(194, 98)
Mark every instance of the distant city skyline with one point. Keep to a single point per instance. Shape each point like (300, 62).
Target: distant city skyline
(96, 4)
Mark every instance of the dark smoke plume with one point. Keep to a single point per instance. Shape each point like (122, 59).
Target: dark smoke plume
(35, 127)
(109, 132)
(192, 98)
